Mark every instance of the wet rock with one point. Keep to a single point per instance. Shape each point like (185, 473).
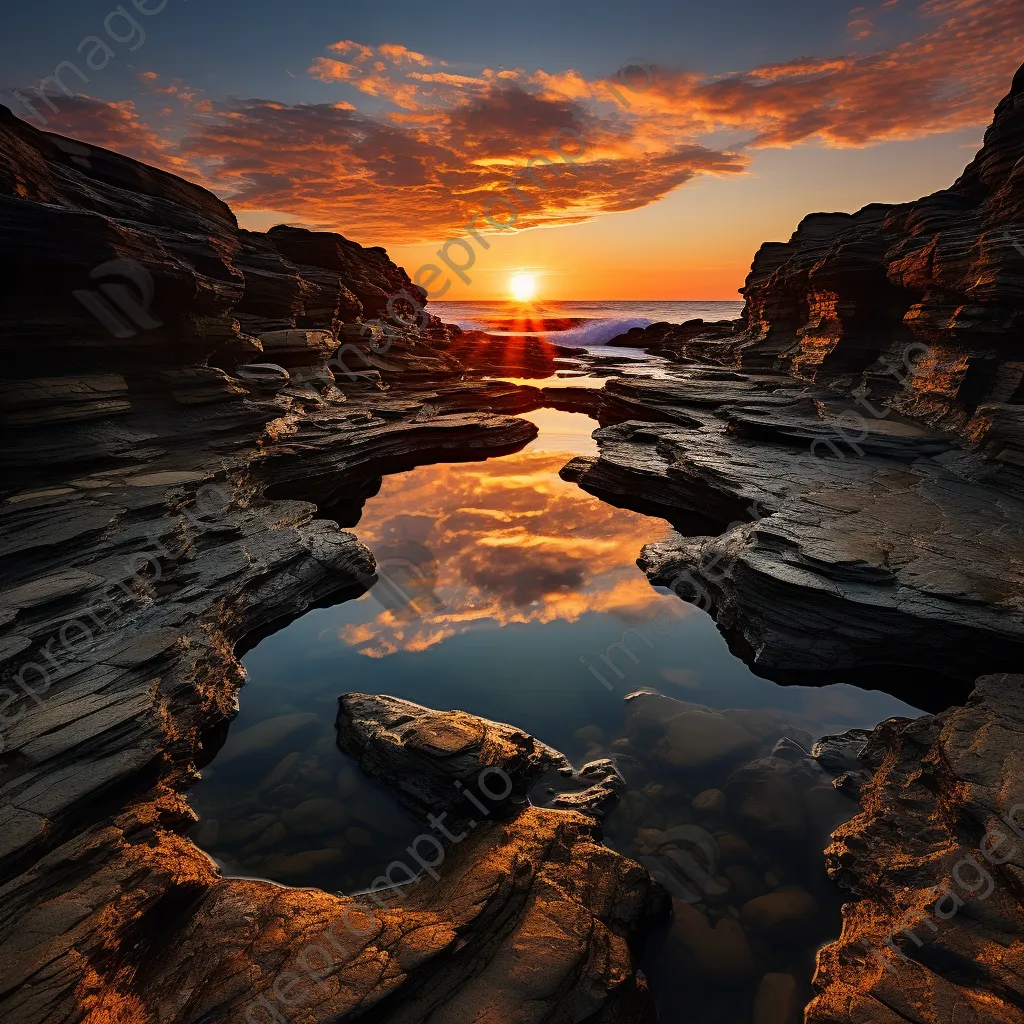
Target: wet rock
(272, 836)
(940, 784)
(246, 831)
(590, 734)
(423, 753)
(767, 801)
(789, 914)
(715, 954)
(282, 770)
(710, 802)
(734, 849)
(316, 816)
(432, 759)
(307, 862)
(208, 833)
(266, 735)
(359, 836)
(841, 757)
(838, 754)
(778, 1000)
(640, 811)
(652, 838)
(689, 737)
(744, 882)
(596, 789)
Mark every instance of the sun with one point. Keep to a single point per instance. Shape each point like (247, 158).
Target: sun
(523, 287)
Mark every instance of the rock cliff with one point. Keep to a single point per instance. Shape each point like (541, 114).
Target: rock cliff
(918, 307)
(847, 296)
(848, 485)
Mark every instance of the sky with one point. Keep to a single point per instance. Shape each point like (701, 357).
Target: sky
(613, 150)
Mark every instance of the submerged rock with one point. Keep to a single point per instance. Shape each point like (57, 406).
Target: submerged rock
(450, 761)
(711, 953)
(787, 915)
(778, 1000)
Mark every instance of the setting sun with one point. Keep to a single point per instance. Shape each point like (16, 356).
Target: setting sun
(523, 287)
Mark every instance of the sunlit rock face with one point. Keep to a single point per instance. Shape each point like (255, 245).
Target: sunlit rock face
(934, 863)
(917, 306)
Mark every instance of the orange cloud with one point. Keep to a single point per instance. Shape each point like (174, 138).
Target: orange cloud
(402, 55)
(454, 146)
(372, 83)
(948, 78)
(346, 46)
(475, 523)
(115, 126)
(431, 174)
(150, 81)
(326, 70)
(861, 28)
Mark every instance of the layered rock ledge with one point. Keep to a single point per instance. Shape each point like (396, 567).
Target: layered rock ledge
(897, 557)
(935, 866)
(844, 468)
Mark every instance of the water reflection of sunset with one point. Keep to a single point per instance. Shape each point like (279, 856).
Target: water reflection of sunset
(512, 543)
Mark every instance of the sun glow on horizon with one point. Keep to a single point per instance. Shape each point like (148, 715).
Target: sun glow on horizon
(523, 287)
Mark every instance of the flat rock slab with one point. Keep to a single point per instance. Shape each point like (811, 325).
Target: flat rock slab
(896, 557)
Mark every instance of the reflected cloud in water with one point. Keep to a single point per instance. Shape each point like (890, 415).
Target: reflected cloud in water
(499, 542)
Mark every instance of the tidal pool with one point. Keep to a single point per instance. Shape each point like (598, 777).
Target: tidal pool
(509, 593)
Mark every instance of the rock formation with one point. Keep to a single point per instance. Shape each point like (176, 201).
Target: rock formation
(918, 306)
(935, 866)
(848, 485)
(171, 425)
(884, 552)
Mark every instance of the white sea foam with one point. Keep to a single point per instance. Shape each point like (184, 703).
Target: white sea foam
(596, 331)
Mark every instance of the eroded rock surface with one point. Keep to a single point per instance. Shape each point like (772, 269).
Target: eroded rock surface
(173, 489)
(815, 556)
(854, 301)
(935, 866)
(525, 917)
(427, 757)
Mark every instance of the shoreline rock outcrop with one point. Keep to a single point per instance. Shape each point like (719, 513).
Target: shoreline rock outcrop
(935, 866)
(844, 470)
(164, 503)
(845, 300)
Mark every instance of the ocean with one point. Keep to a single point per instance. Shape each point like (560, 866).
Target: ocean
(577, 324)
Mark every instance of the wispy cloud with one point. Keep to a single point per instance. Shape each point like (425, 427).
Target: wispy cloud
(442, 141)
